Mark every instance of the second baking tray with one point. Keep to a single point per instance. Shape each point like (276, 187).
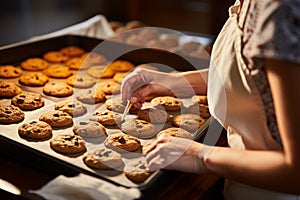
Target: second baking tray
(39, 154)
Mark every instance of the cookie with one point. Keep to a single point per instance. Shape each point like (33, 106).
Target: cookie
(58, 89)
(72, 50)
(58, 71)
(55, 57)
(108, 87)
(101, 71)
(90, 96)
(201, 99)
(10, 114)
(9, 89)
(146, 146)
(189, 122)
(106, 117)
(118, 77)
(198, 109)
(103, 159)
(137, 171)
(81, 81)
(93, 58)
(57, 118)
(72, 107)
(116, 104)
(35, 79)
(154, 115)
(121, 66)
(168, 102)
(89, 129)
(35, 130)
(67, 143)
(121, 142)
(138, 128)
(175, 132)
(77, 64)
(34, 64)
(10, 71)
(28, 101)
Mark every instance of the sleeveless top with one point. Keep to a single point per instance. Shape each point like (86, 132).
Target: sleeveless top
(239, 95)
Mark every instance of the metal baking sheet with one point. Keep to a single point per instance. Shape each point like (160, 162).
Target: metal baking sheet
(74, 163)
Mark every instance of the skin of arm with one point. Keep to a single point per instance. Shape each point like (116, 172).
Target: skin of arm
(274, 170)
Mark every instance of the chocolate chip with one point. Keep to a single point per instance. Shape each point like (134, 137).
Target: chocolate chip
(69, 138)
(121, 140)
(20, 100)
(72, 105)
(33, 122)
(56, 115)
(83, 123)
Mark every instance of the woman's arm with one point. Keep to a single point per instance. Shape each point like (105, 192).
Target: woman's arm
(275, 170)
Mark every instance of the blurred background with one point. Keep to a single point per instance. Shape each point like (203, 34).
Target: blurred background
(22, 19)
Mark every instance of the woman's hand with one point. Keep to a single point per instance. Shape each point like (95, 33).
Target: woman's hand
(177, 154)
(142, 83)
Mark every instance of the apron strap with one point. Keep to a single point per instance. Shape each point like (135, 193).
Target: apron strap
(243, 13)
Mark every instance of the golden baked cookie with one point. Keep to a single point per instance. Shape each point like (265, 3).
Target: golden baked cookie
(189, 122)
(90, 96)
(118, 77)
(81, 81)
(72, 50)
(35, 79)
(93, 58)
(72, 107)
(67, 143)
(77, 64)
(100, 71)
(201, 99)
(108, 87)
(121, 66)
(35, 130)
(198, 109)
(146, 146)
(175, 132)
(106, 117)
(121, 142)
(34, 64)
(58, 71)
(137, 171)
(57, 118)
(116, 104)
(89, 129)
(103, 159)
(168, 102)
(9, 89)
(138, 128)
(58, 89)
(10, 114)
(154, 115)
(10, 71)
(55, 57)
(28, 101)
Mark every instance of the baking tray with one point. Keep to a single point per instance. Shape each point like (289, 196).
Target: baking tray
(39, 154)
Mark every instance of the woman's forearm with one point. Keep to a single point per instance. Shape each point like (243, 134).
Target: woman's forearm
(265, 169)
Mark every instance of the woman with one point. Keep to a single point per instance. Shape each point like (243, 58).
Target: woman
(252, 91)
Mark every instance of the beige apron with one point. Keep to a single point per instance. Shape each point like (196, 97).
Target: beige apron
(235, 102)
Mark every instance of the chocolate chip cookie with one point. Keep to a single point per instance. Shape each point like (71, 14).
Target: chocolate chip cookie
(10, 114)
(137, 171)
(9, 89)
(58, 71)
(103, 159)
(175, 132)
(189, 122)
(121, 142)
(156, 115)
(34, 64)
(10, 71)
(35, 130)
(168, 102)
(58, 89)
(81, 81)
(91, 129)
(34, 79)
(72, 107)
(28, 101)
(68, 143)
(90, 96)
(138, 128)
(57, 118)
(106, 117)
